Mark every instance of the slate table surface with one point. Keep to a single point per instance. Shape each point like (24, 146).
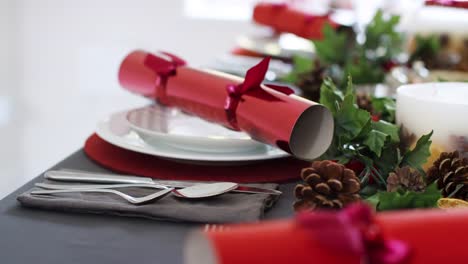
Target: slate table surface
(36, 236)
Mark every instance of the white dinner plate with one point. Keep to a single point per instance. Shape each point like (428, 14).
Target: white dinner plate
(157, 123)
(117, 131)
(239, 65)
(285, 45)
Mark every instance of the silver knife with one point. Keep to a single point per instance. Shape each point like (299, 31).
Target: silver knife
(67, 175)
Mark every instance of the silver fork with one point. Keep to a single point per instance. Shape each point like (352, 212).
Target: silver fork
(48, 186)
(129, 198)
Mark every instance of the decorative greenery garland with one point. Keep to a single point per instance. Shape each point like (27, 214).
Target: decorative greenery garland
(371, 144)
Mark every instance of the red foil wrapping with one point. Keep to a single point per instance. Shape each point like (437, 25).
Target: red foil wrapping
(431, 236)
(270, 115)
(448, 3)
(283, 18)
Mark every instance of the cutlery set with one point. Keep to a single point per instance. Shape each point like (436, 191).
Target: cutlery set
(107, 183)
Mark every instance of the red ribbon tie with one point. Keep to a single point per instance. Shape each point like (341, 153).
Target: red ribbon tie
(164, 66)
(355, 231)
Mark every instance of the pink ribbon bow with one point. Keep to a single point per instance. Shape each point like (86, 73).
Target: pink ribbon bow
(355, 231)
(448, 3)
(253, 80)
(165, 66)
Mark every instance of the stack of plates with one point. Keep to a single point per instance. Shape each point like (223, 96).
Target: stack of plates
(169, 133)
(285, 45)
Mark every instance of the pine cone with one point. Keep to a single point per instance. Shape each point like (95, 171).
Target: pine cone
(310, 82)
(405, 178)
(449, 171)
(327, 185)
(364, 101)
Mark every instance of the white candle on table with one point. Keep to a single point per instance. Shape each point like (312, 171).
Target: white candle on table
(442, 107)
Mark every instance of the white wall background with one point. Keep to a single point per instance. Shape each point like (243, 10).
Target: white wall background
(58, 66)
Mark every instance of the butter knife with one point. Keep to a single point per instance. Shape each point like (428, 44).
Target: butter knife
(91, 177)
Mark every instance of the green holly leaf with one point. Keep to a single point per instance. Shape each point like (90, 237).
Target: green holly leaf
(330, 96)
(385, 107)
(364, 71)
(368, 191)
(389, 159)
(350, 87)
(426, 49)
(373, 200)
(364, 132)
(301, 65)
(381, 33)
(344, 56)
(375, 141)
(408, 199)
(332, 48)
(350, 120)
(418, 156)
(387, 128)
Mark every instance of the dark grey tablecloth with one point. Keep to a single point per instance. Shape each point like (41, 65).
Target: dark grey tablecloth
(34, 236)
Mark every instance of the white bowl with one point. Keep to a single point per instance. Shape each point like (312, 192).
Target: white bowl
(157, 124)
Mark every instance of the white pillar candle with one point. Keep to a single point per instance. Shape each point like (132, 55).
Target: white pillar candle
(442, 107)
(435, 20)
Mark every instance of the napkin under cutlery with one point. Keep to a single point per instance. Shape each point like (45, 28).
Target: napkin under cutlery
(226, 208)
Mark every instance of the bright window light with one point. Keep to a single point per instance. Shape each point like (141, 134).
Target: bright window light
(240, 10)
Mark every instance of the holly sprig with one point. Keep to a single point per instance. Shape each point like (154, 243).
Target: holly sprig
(371, 140)
(384, 107)
(356, 136)
(332, 49)
(342, 55)
(382, 39)
(426, 48)
(302, 65)
(374, 143)
(404, 199)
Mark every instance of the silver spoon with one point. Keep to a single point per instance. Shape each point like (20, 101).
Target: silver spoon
(193, 192)
(205, 190)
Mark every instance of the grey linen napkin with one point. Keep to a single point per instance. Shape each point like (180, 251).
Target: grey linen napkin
(226, 208)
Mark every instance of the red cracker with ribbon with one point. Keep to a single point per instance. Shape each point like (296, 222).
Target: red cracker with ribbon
(283, 18)
(354, 236)
(448, 3)
(268, 113)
